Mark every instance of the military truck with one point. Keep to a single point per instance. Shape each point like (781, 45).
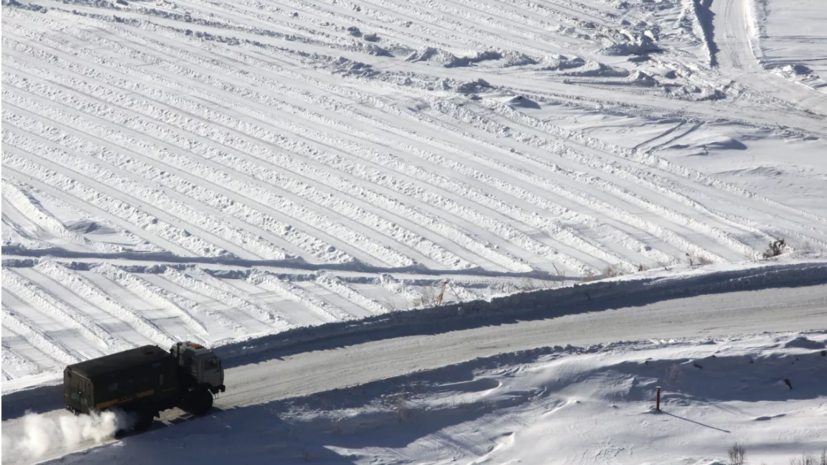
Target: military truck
(145, 381)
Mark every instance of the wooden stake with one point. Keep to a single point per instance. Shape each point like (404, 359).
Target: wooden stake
(658, 404)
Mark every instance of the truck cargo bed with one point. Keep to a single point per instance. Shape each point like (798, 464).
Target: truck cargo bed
(143, 376)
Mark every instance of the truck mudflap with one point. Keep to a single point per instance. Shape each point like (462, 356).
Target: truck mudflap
(217, 389)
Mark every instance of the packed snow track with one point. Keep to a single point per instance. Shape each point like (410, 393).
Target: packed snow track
(609, 312)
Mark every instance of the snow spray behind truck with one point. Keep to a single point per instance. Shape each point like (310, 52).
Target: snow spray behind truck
(144, 381)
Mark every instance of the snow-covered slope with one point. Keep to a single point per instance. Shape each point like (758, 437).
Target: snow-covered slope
(295, 163)
(237, 172)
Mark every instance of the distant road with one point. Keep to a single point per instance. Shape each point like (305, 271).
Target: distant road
(733, 32)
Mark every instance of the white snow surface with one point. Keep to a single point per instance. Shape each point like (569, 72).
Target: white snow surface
(258, 175)
(300, 163)
(555, 405)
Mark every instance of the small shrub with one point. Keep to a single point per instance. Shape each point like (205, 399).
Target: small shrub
(588, 277)
(427, 298)
(810, 459)
(775, 248)
(664, 265)
(737, 454)
(400, 406)
(528, 284)
(804, 460)
(611, 271)
(703, 261)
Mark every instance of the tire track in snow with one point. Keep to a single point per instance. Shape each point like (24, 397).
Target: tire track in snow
(221, 203)
(20, 325)
(149, 198)
(452, 233)
(623, 170)
(366, 99)
(334, 284)
(323, 311)
(40, 299)
(416, 242)
(111, 205)
(323, 223)
(273, 320)
(511, 234)
(100, 299)
(12, 358)
(179, 306)
(38, 215)
(581, 268)
(610, 187)
(109, 178)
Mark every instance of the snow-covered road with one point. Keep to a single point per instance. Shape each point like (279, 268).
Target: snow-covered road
(732, 313)
(736, 36)
(342, 362)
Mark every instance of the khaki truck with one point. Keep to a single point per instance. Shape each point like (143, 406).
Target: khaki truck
(145, 381)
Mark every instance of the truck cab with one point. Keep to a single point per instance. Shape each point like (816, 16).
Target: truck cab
(199, 367)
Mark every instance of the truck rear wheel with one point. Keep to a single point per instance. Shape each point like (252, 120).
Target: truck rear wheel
(145, 419)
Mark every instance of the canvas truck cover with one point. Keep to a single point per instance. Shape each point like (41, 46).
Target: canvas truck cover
(121, 378)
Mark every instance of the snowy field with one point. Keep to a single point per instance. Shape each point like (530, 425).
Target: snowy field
(293, 163)
(258, 175)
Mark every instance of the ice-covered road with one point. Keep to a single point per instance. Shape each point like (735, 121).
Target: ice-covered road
(320, 370)
(350, 361)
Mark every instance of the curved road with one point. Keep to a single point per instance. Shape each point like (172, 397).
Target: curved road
(317, 370)
(735, 37)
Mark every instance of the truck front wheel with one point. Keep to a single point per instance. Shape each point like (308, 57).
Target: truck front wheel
(198, 402)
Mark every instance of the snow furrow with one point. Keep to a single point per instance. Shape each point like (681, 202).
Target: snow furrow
(73, 318)
(607, 186)
(111, 205)
(452, 234)
(276, 321)
(37, 338)
(321, 308)
(199, 193)
(26, 205)
(99, 298)
(151, 197)
(15, 362)
(364, 217)
(180, 306)
(369, 219)
(334, 284)
(361, 241)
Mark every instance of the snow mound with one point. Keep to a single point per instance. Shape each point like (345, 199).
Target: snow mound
(561, 62)
(512, 58)
(522, 102)
(802, 342)
(448, 59)
(639, 44)
(639, 78)
(473, 87)
(597, 69)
